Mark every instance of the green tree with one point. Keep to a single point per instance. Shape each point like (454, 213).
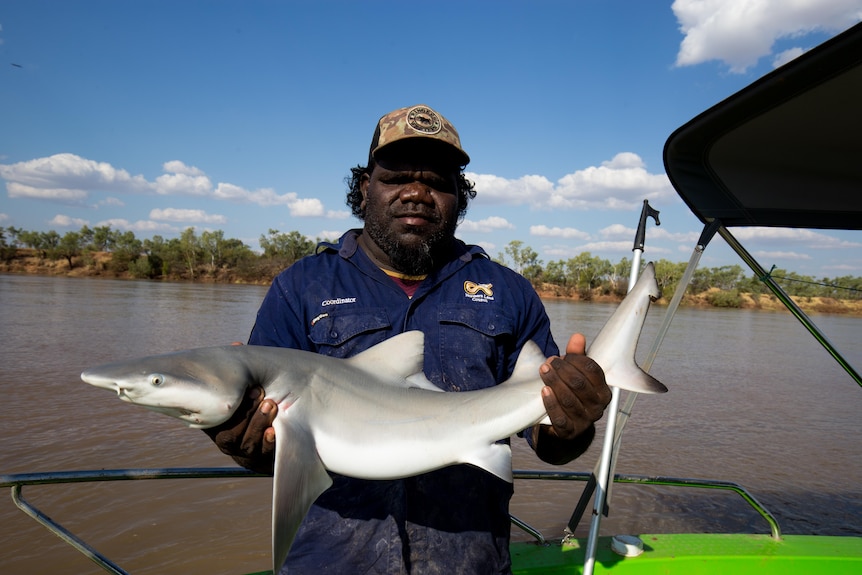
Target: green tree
(524, 260)
(103, 238)
(619, 276)
(69, 246)
(86, 237)
(126, 251)
(668, 275)
(211, 243)
(190, 249)
(7, 249)
(289, 247)
(12, 236)
(235, 253)
(555, 273)
(586, 272)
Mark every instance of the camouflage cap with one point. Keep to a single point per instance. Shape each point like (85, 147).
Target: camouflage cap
(416, 122)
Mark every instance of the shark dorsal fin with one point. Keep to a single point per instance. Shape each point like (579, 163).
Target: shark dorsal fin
(397, 361)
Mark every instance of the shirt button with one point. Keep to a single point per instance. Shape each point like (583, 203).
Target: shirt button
(333, 334)
(491, 326)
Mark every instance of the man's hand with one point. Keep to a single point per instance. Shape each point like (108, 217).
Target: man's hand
(248, 436)
(575, 396)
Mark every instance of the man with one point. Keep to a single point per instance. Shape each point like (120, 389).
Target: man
(405, 270)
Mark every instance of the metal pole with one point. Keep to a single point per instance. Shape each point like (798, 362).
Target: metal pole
(605, 466)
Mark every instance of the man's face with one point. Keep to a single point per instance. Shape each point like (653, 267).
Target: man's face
(411, 210)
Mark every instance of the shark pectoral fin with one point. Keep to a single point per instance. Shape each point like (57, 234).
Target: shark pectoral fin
(299, 479)
(495, 458)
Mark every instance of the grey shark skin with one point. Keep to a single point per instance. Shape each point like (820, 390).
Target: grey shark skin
(373, 416)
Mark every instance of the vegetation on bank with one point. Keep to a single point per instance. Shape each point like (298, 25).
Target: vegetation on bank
(209, 256)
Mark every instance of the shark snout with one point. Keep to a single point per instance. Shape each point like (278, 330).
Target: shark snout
(98, 380)
(105, 382)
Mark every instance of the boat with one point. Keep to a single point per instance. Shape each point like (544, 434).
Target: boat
(782, 152)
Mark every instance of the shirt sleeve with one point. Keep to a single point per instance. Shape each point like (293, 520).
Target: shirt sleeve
(279, 321)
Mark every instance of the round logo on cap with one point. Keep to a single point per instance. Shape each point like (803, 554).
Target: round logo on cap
(424, 120)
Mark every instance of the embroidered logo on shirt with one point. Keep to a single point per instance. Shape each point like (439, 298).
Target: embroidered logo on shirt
(479, 292)
(318, 318)
(337, 301)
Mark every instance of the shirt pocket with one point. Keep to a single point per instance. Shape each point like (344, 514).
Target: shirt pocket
(474, 344)
(345, 333)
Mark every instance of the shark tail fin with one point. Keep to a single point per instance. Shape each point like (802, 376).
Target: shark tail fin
(632, 378)
(643, 382)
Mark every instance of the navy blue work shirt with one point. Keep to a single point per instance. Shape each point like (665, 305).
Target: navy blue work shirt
(476, 315)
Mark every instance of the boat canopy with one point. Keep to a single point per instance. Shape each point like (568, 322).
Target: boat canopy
(785, 151)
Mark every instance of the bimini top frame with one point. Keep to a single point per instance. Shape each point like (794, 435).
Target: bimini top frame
(784, 152)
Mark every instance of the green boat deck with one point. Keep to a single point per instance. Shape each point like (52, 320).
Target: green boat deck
(698, 554)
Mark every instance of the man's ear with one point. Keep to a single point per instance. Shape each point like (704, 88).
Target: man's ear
(364, 182)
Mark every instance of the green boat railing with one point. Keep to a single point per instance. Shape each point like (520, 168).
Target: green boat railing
(17, 482)
(770, 519)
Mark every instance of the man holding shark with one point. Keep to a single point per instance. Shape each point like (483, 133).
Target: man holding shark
(403, 271)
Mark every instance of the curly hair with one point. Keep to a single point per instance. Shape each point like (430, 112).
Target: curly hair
(466, 190)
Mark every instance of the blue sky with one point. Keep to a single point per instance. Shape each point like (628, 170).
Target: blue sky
(154, 116)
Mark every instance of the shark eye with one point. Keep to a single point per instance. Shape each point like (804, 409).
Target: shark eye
(157, 379)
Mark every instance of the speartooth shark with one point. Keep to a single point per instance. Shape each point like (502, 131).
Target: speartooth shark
(373, 416)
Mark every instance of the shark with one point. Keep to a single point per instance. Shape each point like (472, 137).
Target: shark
(372, 416)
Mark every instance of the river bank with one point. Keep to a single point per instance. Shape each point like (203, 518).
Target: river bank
(28, 262)
(762, 302)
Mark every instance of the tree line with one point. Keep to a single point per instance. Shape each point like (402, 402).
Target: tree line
(191, 256)
(209, 255)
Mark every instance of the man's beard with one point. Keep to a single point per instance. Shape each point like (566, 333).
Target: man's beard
(414, 258)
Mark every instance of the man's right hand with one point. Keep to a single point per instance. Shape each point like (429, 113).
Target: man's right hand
(248, 436)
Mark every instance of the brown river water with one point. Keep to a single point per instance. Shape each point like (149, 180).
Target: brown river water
(753, 399)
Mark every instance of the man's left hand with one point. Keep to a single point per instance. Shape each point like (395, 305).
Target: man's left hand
(575, 394)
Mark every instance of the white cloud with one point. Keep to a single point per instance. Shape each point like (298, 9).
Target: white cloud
(330, 234)
(67, 178)
(183, 184)
(110, 201)
(64, 221)
(70, 179)
(621, 183)
(567, 233)
(784, 255)
(810, 239)
(141, 226)
(179, 215)
(607, 246)
(58, 195)
(617, 231)
(786, 56)
(487, 225)
(497, 190)
(338, 214)
(740, 32)
(622, 247)
(299, 207)
(178, 167)
(4, 217)
(305, 207)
